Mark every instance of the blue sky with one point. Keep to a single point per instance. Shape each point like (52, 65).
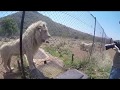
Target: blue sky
(109, 20)
(83, 21)
(5, 13)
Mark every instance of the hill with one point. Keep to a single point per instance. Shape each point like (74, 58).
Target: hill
(55, 29)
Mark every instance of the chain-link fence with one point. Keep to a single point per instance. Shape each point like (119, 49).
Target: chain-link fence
(75, 36)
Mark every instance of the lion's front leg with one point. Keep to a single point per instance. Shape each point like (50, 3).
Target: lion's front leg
(30, 61)
(6, 66)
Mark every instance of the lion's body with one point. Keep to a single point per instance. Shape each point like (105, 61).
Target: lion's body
(33, 37)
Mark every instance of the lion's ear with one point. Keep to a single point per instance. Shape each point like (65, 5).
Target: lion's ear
(44, 25)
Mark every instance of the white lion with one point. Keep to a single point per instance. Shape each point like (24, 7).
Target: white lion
(86, 46)
(33, 37)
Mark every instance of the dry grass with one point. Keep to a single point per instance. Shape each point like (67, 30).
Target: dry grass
(97, 67)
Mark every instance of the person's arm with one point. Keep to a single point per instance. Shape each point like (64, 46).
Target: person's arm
(116, 49)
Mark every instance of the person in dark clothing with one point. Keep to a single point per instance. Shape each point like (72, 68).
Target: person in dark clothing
(115, 70)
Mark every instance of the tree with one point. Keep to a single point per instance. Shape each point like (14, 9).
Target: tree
(8, 27)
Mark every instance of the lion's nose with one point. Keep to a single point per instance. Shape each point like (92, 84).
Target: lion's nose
(47, 41)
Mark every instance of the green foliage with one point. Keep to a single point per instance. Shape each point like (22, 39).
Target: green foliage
(8, 27)
(94, 70)
(61, 53)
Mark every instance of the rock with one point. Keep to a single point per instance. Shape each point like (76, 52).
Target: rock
(72, 74)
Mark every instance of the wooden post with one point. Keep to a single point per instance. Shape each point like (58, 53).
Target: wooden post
(45, 62)
(72, 58)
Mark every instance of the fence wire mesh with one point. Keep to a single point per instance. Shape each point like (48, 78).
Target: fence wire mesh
(72, 35)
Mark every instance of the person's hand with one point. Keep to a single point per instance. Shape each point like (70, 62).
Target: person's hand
(116, 49)
(110, 44)
(113, 43)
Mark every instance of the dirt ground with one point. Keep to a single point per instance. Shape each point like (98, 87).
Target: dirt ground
(52, 68)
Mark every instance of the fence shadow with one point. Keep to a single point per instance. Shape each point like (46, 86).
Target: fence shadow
(12, 75)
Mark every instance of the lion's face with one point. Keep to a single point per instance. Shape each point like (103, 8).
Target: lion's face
(42, 32)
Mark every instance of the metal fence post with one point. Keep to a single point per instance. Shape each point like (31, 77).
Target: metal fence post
(93, 37)
(21, 55)
(101, 43)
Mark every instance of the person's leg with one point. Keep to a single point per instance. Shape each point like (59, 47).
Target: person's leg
(115, 73)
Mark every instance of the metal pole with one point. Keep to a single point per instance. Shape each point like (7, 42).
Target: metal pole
(93, 36)
(101, 49)
(21, 55)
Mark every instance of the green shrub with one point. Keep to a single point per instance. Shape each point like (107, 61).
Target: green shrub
(8, 27)
(90, 66)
